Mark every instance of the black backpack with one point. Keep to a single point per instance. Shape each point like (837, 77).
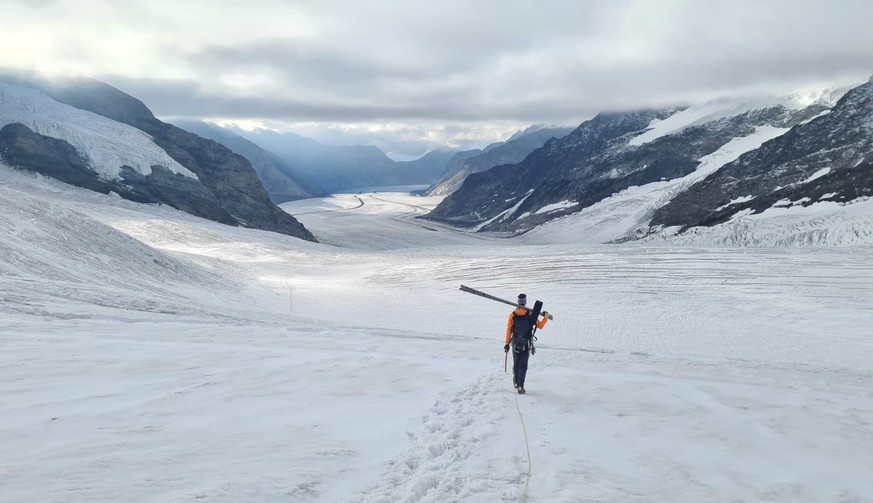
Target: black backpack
(522, 330)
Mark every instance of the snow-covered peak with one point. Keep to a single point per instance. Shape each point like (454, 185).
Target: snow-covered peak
(105, 144)
(728, 107)
(825, 97)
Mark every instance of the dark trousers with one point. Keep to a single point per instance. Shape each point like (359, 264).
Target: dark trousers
(519, 364)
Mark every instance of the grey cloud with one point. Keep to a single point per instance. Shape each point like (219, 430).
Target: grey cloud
(513, 60)
(187, 98)
(34, 4)
(457, 64)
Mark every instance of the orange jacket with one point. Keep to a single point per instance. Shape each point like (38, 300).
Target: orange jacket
(541, 323)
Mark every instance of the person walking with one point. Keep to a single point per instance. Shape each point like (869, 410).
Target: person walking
(519, 332)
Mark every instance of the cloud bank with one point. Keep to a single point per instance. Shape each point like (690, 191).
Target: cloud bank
(426, 71)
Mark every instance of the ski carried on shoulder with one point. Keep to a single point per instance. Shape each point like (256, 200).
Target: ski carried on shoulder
(537, 305)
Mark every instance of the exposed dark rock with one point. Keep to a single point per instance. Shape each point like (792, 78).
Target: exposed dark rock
(840, 141)
(21, 147)
(231, 178)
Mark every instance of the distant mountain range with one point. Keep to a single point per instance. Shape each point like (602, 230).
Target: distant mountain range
(282, 181)
(87, 133)
(294, 167)
(645, 174)
(513, 150)
(346, 168)
(685, 167)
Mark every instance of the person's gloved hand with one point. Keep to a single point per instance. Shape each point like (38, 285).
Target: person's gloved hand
(533, 350)
(506, 348)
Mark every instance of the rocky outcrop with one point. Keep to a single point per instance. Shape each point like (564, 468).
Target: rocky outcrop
(231, 178)
(20, 146)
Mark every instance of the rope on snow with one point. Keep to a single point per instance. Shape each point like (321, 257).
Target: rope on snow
(526, 446)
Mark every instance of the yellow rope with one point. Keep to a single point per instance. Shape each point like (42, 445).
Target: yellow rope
(526, 446)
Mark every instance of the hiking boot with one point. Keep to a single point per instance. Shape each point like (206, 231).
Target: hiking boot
(520, 391)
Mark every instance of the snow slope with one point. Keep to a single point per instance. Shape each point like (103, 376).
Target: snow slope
(151, 356)
(730, 107)
(105, 144)
(629, 212)
(627, 215)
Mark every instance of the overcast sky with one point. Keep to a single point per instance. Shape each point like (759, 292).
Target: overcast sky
(413, 75)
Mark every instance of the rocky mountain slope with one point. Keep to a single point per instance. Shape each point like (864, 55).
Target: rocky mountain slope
(664, 153)
(88, 133)
(281, 180)
(829, 158)
(512, 151)
(487, 195)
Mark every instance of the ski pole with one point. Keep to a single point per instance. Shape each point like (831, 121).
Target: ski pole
(505, 358)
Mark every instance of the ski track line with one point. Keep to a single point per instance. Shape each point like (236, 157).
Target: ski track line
(445, 462)
(415, 208)
(412, 218)
(360, 205)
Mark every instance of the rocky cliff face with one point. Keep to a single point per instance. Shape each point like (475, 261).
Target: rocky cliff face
(225, 189)
(231, 178)
(827, 158)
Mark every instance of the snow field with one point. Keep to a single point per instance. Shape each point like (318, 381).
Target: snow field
(256, 367)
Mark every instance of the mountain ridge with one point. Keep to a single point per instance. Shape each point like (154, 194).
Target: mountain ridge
(281, 180)
(222, 185)
(666, 153)
(828, 157)
(513, 150)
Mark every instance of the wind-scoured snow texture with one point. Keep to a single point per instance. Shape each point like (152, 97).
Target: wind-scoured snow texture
(823, 224)
(106, 145)
(71, 253)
